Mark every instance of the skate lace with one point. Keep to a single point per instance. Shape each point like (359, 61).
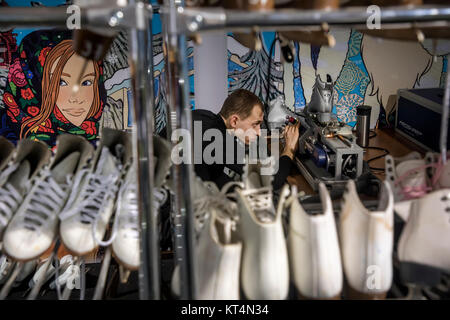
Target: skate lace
(9, 196)
(261, 201)
(94, 196)
(291, 198)
(9, 201)
(5, 173)
(39, 273)
(227, 209)
(47, 199)
(70, 272)
(446, 199)
(5, 266)
(131, 204)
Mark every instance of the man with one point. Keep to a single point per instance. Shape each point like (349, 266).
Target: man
(242, 112)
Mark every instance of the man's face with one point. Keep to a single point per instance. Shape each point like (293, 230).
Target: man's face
(249, 128)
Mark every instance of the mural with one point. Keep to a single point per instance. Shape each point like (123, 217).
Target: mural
(37, 68)
(8, 49)
(351, 84)
(250, 69)
(366, 70)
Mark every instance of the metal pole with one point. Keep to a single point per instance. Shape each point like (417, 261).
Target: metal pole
(204, 19)
(33, 17)
(182, 174)
(193, 20)
(141, 65)
(444, 119)
(59, 16)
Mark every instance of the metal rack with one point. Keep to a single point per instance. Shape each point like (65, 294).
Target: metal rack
(178, 22)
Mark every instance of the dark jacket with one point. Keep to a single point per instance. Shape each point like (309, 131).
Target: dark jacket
(223, 172)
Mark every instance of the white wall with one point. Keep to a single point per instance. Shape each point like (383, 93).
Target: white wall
(211, 72)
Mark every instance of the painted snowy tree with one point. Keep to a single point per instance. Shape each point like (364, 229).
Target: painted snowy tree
(117, 61)
(255, 76)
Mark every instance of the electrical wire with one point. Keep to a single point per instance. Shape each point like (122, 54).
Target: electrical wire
(269, 72)
(373, 134)
(386, 152)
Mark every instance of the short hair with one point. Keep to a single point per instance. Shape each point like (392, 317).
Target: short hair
(240, 102)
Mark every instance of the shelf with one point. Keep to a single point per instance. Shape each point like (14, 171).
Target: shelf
(213, 19)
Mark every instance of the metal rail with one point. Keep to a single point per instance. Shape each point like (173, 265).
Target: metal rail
(141, 65)
(195, 20)
(111, 17)
(444, 119)
(182, 174)
(204, 19)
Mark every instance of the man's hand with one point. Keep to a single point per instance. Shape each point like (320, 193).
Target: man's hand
(291, 135)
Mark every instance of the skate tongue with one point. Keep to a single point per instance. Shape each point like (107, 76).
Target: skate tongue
(119, 150)
(222, 230)
(413, 179)
(254, 181)
(107, 164)
(19, 178)
(65, 167)
(444, 179)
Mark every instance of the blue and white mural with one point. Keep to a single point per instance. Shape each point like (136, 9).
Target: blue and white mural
(365, 70)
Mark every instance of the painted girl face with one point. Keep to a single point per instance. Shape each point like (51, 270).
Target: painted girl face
(75, 105)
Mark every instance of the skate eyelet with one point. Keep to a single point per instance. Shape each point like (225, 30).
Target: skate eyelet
(447, 209)
(444, 198)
